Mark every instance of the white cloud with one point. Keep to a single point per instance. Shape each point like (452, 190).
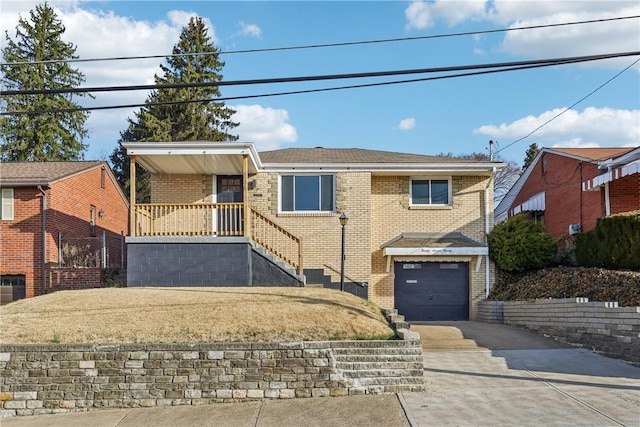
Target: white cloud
(407, 124)
(251, 30)
(104, 34)
(266, 127)
(572, 40)
(421, 14)
(591, 127)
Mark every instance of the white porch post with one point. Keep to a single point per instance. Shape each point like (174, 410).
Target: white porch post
(132, 195)
(245, 195)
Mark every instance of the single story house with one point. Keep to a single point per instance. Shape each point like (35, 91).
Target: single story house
(222, 214)
(553, 189)
(56, 216)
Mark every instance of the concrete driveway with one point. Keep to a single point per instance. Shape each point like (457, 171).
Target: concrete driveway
(479, 374)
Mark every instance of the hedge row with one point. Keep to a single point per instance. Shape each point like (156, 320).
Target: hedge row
(614, 243)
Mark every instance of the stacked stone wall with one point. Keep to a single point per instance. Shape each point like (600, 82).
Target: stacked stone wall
(39, 379)
(601, 326)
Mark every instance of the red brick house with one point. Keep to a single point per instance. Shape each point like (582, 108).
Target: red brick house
(553, 189)
(49, 206)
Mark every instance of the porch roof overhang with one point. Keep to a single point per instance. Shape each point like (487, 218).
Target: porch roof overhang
(197, 157)
(433, 244)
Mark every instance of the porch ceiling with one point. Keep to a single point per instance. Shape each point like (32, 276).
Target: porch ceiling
(220, 158)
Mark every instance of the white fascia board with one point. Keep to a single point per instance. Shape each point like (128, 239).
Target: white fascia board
(473, 250)
(193, 148)
(450, 168)
(629, 157)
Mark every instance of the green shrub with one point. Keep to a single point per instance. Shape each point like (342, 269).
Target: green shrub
(520, 245)
(613, 244)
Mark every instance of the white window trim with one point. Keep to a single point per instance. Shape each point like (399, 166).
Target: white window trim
(293, 212)
(7, 204)
(431, 178)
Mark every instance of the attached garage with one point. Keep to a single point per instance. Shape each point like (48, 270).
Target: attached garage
(432, 290)
(436, 276)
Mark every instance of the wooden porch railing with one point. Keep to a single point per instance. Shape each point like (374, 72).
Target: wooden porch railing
(217, 219)
(189, 219)
(276, 240)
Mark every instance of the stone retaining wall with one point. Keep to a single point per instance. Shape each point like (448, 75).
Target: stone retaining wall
(37, 379)
(601, 326)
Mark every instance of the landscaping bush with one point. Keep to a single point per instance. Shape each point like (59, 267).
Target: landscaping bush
(613, 244)
(520, 245)
(597, 284)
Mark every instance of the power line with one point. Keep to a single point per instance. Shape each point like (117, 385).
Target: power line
(570, 107)
(325, 45)
(319, 77)
(207, 100)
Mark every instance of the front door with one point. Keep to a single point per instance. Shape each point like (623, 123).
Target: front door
(230, 218)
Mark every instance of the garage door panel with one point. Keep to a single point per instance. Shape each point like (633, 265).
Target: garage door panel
(432, 291)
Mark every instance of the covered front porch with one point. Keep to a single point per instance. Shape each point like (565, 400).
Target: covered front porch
(200, 194)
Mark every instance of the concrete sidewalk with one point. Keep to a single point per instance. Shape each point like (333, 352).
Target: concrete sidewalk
(380, 410)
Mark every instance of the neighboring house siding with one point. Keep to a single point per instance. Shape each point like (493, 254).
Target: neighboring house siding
(624, 194)
(70, 202)
(391, 216)
(68, 208)
(321, 232)
(561, 178)
(21, 240)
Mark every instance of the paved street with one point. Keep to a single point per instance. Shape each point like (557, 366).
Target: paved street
(476, 375)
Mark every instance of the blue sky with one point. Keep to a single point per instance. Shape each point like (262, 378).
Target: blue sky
(454, 115)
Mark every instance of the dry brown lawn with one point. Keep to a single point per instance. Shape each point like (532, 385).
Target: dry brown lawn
(190, 315)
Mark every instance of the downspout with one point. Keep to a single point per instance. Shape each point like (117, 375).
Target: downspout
(43, 285)
(487, 211)
(581, 201)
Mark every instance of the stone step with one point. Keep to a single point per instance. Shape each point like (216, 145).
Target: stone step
(379, 365)
(355, 351)
(382, 373)
(407, 381)
(418, 358)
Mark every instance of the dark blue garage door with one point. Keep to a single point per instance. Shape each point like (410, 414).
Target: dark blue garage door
(432, 290)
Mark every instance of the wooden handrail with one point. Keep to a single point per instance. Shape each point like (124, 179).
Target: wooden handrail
(277, 240)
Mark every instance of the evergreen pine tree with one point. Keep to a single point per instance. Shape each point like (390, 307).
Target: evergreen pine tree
(46, 133)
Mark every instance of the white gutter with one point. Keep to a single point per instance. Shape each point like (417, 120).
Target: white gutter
(487, 212)
(449, 168)
(470, 250)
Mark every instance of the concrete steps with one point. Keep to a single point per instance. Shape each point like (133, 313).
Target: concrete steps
(384, 369)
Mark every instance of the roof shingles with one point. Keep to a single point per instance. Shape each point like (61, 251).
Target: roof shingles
(25, 173)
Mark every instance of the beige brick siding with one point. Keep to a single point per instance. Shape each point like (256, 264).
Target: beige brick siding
(321, 232)
(378, 210)
(392, 215)
(181, 188)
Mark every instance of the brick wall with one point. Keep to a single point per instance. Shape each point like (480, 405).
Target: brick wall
(60, 279)
(391, 215)
(321, 232)
(21, 239)
(602, 326)
(561, 178)
(378, 210)
(69, 202)
(39, 379)
(624, 194)
(181, 188)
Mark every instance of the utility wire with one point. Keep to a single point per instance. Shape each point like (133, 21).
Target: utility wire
(570, 107)
(319, 77)
(341, 44)
(207, 100)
